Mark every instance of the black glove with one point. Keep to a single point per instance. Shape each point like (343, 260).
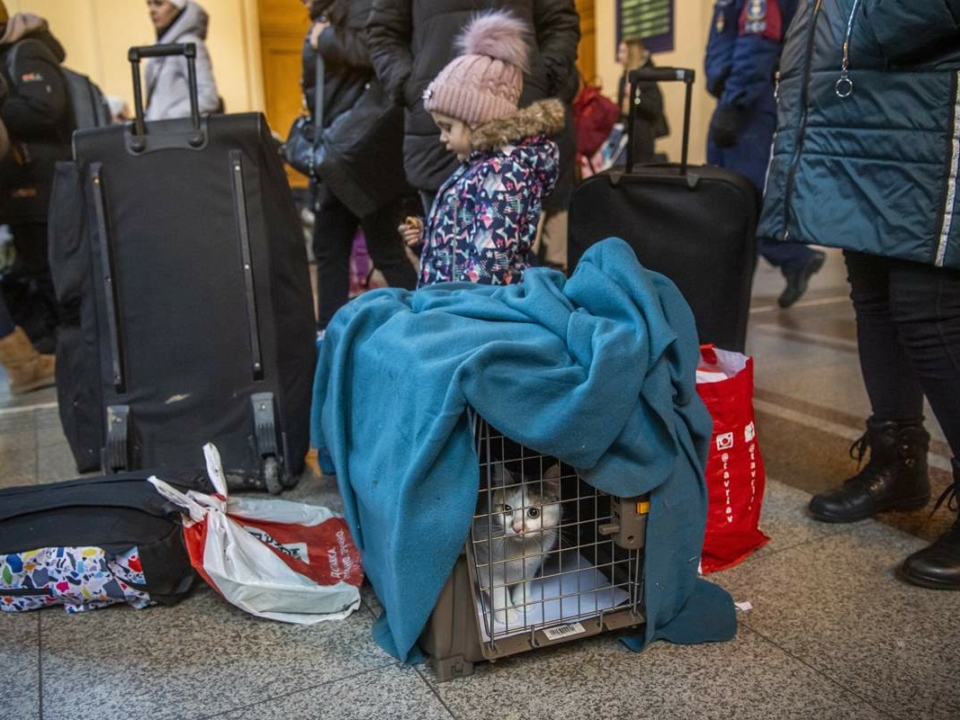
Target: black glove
(725, 126)
(716, 87)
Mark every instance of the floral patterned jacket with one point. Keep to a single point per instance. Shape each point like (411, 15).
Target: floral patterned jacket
(484, 220)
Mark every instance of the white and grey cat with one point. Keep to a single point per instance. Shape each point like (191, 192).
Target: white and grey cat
(513, 533)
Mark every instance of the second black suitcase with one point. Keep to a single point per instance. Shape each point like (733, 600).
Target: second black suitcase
(177, 251)
(695, 225)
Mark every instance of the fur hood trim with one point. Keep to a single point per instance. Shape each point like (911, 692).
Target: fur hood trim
(544, 117)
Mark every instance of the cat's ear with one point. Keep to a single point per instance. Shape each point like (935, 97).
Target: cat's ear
(499, 475)
(551, 480)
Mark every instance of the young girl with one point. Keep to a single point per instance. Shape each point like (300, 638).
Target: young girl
(484, 220)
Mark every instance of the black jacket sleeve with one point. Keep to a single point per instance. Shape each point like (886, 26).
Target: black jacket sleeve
(557, 27)
(389, 34)
(38, 97)
(344, 43)
(651, 101)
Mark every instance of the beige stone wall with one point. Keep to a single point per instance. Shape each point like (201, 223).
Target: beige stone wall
(97, 33)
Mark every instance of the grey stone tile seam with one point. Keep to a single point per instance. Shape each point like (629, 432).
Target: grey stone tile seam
(36, 448)
(40, 665)
(298, 691)
(803, 337)
(757, 556)
(273, 698)
(830, 415)
(817, 671)
(436, 692)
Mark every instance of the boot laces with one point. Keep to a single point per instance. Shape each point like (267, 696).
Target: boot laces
(859, 448)
(951, 495)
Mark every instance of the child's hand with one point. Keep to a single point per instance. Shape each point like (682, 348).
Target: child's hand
(412, 231)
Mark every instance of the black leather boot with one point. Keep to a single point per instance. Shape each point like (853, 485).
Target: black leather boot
(895, 478)
(938, 566)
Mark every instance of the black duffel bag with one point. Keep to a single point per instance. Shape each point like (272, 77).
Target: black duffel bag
(94, 542)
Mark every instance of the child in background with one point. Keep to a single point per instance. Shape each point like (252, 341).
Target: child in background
(484, 220)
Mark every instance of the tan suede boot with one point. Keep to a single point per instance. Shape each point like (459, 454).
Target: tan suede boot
(28, 369)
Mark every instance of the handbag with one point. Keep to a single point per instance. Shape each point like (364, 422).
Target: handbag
(304, 148)
(735, 475)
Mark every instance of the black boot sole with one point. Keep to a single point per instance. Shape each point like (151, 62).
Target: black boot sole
(927, 582)
(900, 506)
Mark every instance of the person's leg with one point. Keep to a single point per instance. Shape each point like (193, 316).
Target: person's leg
(925, 305)
(386, 246)
(7, 326)
(40, 313)
(26, 368)
(797, 262)
(895, 478)
(892, 385)
(553, 239)
(333, 230)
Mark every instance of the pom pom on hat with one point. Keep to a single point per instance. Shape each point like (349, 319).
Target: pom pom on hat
(484, 83)
(178, 3)
(498, 35)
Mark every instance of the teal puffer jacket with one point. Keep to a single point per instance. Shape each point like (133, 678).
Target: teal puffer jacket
(867, 159)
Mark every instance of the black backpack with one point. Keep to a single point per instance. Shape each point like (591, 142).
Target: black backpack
(89, 106)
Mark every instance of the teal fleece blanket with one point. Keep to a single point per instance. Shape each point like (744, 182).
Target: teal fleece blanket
(598, 371)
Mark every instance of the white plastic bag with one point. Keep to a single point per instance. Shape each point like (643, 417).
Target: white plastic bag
(275, 559)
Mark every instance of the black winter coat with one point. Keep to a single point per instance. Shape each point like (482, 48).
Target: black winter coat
(363, 129)
(39, 120)
(651, 121)
(412, 40)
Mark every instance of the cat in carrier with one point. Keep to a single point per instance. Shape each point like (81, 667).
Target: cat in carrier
(515, 529)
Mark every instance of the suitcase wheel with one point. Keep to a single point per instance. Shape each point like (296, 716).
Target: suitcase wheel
(271, 475)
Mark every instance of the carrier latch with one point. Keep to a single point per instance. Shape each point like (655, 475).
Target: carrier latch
(629, 521)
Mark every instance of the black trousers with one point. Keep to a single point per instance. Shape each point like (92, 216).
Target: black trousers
(7, 326)
(333, 230)
(908, 329)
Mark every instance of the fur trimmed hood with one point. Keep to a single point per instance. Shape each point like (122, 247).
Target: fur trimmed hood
(541, 118)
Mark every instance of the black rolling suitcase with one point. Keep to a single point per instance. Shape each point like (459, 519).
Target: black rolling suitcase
(179, 261)
(693, 224)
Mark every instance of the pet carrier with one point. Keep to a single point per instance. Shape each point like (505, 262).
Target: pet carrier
(549, 559)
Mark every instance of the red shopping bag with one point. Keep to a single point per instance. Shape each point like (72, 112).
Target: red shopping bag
(735, 476)
(276, 559)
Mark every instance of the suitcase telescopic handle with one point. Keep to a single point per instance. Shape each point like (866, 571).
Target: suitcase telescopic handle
(134, 55)
(662, 74)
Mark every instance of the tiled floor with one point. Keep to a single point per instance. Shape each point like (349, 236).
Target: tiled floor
(832, 633)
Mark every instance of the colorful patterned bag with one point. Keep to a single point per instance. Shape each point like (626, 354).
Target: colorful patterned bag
(89, 543)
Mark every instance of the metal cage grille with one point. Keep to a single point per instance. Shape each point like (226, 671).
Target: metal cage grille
(546, 550)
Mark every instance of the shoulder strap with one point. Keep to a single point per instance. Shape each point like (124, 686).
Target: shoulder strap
(318, 101)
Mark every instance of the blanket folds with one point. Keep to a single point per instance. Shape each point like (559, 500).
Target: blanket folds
(598, 371)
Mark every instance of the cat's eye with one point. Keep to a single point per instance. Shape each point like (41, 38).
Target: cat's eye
(506, 509)
(533, 513)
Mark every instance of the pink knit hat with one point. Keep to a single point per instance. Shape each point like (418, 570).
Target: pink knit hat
(485, 81)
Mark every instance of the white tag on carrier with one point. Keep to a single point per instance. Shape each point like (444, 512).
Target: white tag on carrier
(563, 631)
